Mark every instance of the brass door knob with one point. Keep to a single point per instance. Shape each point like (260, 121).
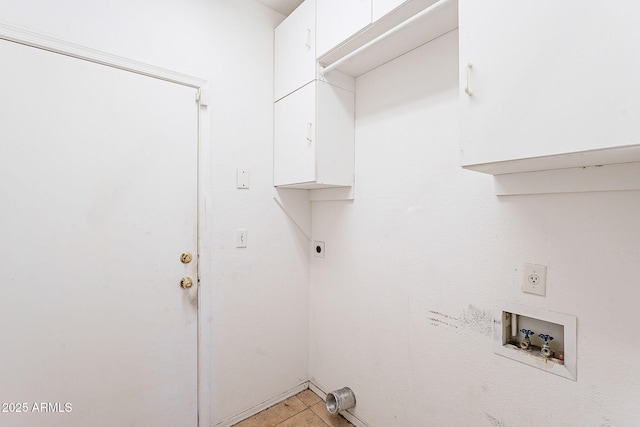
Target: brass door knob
(186, 258)
(186, 282)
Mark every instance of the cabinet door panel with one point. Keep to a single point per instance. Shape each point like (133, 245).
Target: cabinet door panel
(295, 53)
(548, 77)
(338, 20)
(294, 159)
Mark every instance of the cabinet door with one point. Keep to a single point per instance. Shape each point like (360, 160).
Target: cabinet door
(382, 7)
(338, 20)
(294, 160)
(548, 77)
(295, 53)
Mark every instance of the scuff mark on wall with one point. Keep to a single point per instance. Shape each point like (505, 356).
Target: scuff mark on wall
(441, 319)
(495, 422)
(606, 422)
(473, 319)
(477, 320)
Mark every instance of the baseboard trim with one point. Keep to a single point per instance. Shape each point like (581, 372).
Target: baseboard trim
(357, 422)
(262, 406)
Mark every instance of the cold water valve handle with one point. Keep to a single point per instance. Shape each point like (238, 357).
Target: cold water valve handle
(545, 351)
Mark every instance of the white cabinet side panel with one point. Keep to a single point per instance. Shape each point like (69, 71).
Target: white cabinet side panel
(335, 133)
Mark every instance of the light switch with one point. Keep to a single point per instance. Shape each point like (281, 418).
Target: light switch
(242, 178)
(241, 238)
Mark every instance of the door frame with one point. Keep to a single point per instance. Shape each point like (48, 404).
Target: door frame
(37, 40)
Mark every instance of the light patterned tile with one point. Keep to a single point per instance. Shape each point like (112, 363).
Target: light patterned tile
(275, 415)
(333, 420)
(289, 407)
(308, 397)
(258, 420)
(304, 419)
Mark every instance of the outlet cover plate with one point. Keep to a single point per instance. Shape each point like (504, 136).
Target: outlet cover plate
(534, 279)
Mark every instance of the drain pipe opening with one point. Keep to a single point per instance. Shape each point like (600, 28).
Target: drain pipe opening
(340, 400)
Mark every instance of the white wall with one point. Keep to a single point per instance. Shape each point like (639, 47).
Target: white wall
(401, 305)
(258, 296)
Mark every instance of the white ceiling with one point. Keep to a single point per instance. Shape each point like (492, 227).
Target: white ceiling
(283, 6)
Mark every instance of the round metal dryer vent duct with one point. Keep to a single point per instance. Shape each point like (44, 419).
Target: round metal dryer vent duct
(340, 400)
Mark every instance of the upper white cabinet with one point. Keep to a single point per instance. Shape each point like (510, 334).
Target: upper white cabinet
(313, 114)
(338, 20)
(314, 138)
(314, 108)
(396, 27)
(548, 85)
(295, 50)
(295, 53)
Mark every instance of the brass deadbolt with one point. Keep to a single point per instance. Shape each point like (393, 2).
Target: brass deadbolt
(186, 282)
(186, 258)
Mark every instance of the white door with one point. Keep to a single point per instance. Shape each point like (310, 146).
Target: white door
(98, 196)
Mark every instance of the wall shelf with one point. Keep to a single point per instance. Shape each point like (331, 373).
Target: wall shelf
(605, 156)
(416, 33)
(611, 169)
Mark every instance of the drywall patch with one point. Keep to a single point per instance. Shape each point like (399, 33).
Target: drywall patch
(477, 320)
(495, 422)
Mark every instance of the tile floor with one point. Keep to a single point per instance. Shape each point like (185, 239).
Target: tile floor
(305, 409)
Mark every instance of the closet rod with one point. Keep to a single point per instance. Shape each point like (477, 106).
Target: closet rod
(384, 35)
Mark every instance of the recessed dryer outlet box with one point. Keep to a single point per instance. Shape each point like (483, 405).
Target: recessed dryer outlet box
(318, 249)
(514, 322)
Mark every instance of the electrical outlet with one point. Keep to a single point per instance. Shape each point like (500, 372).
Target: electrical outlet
(318, 249)
(534, 279)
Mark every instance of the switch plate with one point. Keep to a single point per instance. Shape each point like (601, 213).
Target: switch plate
(241, 238)
(534, 279)
(242, 178)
